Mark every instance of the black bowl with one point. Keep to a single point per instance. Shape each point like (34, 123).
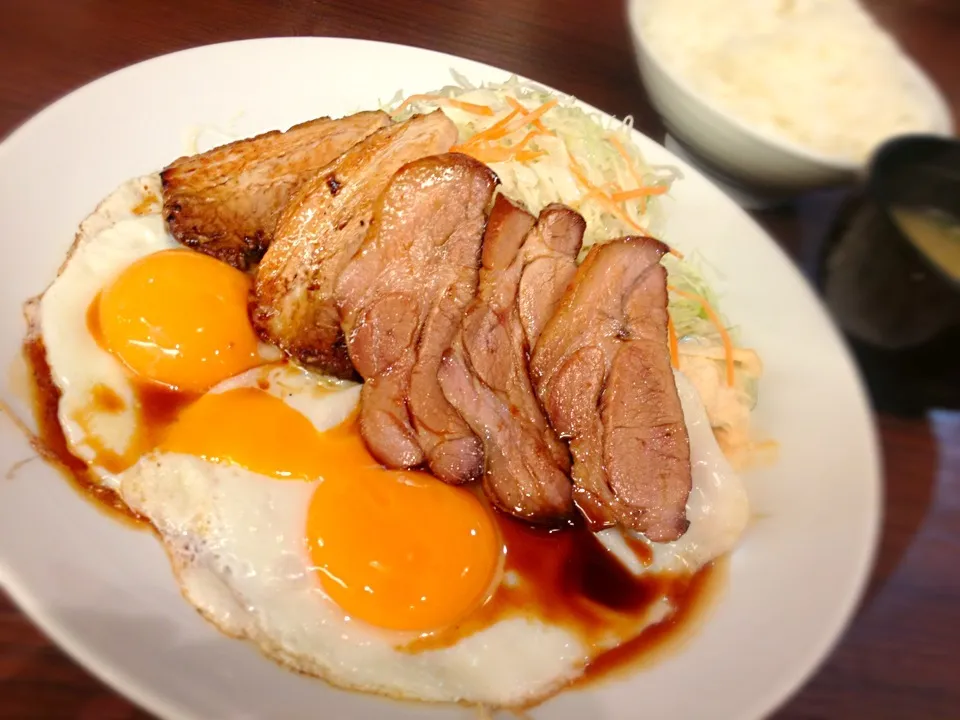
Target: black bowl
(881, 289)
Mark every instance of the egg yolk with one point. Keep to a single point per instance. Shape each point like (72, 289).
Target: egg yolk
(396, 549)
(399, 549)
(179, 318)
(250, 428)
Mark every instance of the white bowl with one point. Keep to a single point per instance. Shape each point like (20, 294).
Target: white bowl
(738, 151)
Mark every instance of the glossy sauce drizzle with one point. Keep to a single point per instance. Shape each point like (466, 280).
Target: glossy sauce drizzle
(51, 444)
(567, 578)
(157, 407)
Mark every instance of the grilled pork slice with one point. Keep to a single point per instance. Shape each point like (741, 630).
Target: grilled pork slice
(552, 251)
(602, 371)
(402, 299)
(318, 233)
(484, 374)
(225, 202)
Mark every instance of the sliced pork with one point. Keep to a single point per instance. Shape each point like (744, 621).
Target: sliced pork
(602, 370)
(401, 301)
(552, 251)
(484, 374)
(321, 229)
(225, 202)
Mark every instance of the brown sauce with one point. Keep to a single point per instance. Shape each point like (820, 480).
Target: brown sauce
(566, 577)
(156, 406)
(570, 577)
(691, 599)
(51, 444)
(640, 548)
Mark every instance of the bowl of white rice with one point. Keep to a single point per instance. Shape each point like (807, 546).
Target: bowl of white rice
(783, 96)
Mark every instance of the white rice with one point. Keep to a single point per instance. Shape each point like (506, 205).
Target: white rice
(821, 73)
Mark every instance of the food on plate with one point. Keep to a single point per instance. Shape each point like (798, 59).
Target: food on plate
(484, 372)
(821, 73)
(319, 231)
(334, 524)
(602, 370)
(225, 202)
(728, 405)
(546, 149)
(243, 546)
(401, 301)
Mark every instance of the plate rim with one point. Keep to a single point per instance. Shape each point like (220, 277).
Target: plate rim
(764, 703)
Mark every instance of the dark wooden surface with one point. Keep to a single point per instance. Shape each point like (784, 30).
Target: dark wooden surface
(901, 657)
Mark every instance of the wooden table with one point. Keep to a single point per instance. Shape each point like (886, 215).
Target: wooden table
(901, 657)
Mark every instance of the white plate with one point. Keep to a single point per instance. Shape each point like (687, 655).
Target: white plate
(105, 592)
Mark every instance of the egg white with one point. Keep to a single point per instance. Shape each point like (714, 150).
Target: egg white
(235, 538)
(718, 509)
(127, 226)
(236, 542)
(112, 238)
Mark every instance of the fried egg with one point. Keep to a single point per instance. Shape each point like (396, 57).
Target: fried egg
(132, 314)
(280, 526)
(283, 530)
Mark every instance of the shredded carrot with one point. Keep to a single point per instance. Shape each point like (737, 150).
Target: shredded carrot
(511, 148)
(453, 102)
(518, 106)
(672, 338)
(474, 108)
(527, 138)
(610, 196)
(494, 132)
(715, 319)
(513, 121)
(619, 212)
(602, 197)
(634, 173)
(581, 178)
(618, 146)
(533, 117)
(502, 154)
(528, 155)
(638, 193)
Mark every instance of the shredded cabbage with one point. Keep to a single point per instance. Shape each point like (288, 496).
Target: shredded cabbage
(690, 320)
(582, 139)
